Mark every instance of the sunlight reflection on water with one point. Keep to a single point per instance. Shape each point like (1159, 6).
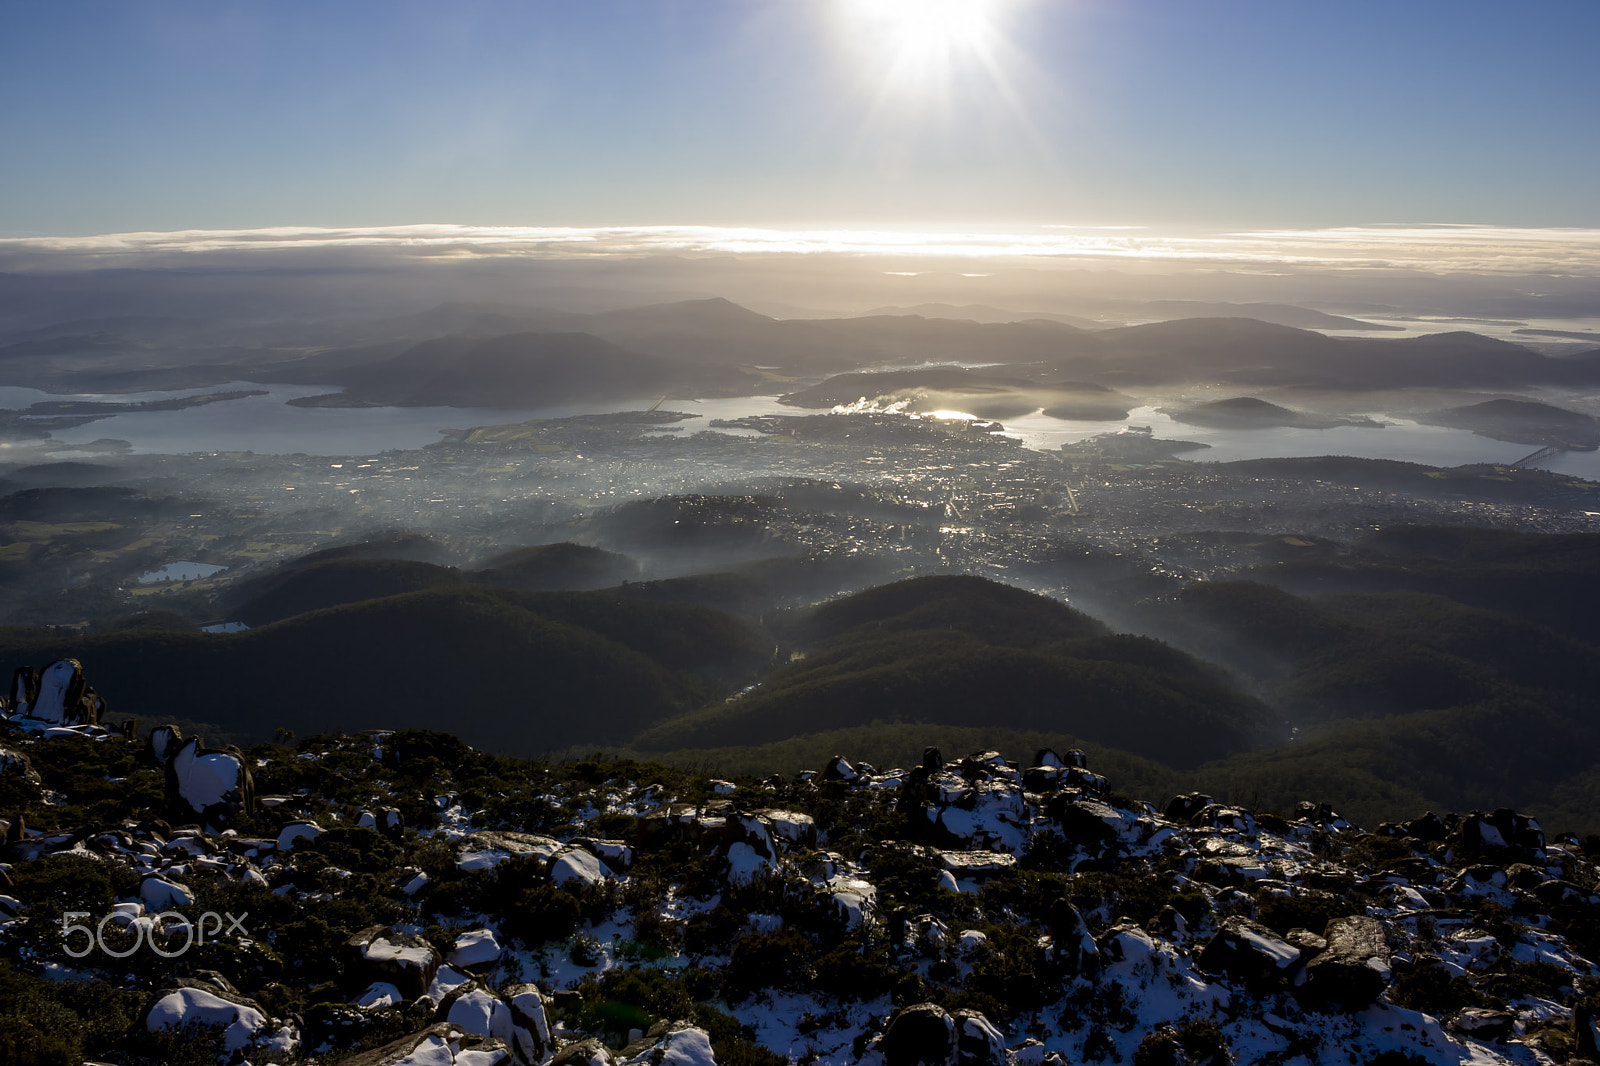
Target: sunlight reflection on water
(266, 424)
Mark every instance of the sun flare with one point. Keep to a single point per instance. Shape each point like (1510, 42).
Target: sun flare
(919, 39)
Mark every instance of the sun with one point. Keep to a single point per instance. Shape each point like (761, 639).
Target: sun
(920, 40)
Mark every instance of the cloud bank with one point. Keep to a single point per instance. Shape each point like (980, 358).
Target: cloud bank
(1433, 249)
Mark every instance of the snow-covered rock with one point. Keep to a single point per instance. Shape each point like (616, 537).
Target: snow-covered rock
(297, 831)
(688, 1046)
(379, 954)
(475, 950)
(159, 894)
(241, 1022)
(578, 865)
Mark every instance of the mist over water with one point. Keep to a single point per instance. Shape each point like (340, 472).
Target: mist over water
(268, 425)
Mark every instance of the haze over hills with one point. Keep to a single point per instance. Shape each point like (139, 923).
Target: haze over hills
(494, 355)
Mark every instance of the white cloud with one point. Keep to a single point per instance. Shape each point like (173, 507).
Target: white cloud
(1425, 248)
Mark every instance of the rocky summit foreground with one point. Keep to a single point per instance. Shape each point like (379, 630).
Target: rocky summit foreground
(398, 898)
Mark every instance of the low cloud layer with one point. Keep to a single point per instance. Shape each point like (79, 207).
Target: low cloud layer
(1433, 249)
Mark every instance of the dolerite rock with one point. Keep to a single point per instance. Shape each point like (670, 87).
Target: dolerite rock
(921, 1033)
(1225, 817)
(1091, 825)
(388, 821)
(839, 769)
(1321, 815)
(213, 784)
(1428, 826)
(1180, 809)
(1072, 946)
(915, 795)
(578, 866)
(24, 683)
(978, 1042)
(404, 960)
(589, 1052)
(16, 770)
(1481, 1023)
(1513, 835)
(242, 1020)
(530, 1028)
(1557, 893)
(515, 1018)
(1585, 1032)
(475, 950)
(438, 1045)
(57, 695)
(1354, 970)
(677, 1045)
(1249, 952)
(1051, 772)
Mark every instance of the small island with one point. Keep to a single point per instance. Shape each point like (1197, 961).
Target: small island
(1249, 412)
(1522, 422)
(105, 409)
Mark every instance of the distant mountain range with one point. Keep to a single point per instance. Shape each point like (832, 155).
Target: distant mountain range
(492, 355)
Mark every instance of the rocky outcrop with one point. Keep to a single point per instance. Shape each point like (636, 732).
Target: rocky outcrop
(1246, 951)
(1354, 968)
(514, 1018)
(919, 1035)
(380, 955)
(211, 784)
(242, 1023)
(589, 1052)
(438, 1045)
(57, 696)
(1165, 933)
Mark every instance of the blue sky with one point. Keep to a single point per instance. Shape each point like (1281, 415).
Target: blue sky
(1200, 115)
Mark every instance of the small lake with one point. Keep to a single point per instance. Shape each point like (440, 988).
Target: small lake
(267, 425)
(182, 571)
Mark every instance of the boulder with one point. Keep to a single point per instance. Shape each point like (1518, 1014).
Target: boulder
(1354, 970)
(242, 1020)
(1225, 817)
(294, 832)
(388, 821)
(24, 686)
(515, 1019)
(530, 1028)
(1092, 826)
(1321, 815)
(1248, 951)
(59, 695)
(685, 1045)
(839, 769)
(438, 1045)
(212, 784)
(1512, 835)
(1481, 1023)
(1072, 946)
(978, 1042)
(1180, 809)
(590, 1052)
(578, 866)
(379, 954)
(920, 1034)
(1585, 1032)
(475, 950)
(16, 767)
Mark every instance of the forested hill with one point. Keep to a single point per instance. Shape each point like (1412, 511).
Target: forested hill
(1417, 668)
